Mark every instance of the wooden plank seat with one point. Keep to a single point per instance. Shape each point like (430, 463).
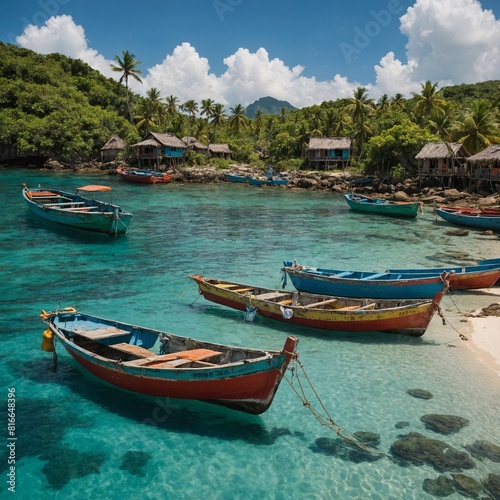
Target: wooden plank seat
(343, 274)
(43, 194)
(349, 308)
(286, 302)
(270, 296)
(227, 285)
(321, 303)
(136, 350)
(374, 276)
(101, 333)
(368, 306)
(241, 290)
(64, 204)
(176, 358)
(80, 209)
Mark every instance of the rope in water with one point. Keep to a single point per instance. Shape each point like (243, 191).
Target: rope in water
(326, 419)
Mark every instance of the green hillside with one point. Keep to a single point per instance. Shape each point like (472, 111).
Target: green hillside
(268, 106)
(51, 105)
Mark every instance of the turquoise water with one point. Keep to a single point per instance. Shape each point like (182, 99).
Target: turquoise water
(78, 438)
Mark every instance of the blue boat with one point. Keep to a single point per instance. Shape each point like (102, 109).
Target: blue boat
(384, 285)
(74, 210)
(488, 219)
(236, 178)
(381, 206)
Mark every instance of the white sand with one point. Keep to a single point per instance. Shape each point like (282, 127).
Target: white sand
(484, 339)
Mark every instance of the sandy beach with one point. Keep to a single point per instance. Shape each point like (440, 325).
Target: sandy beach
(484, 334)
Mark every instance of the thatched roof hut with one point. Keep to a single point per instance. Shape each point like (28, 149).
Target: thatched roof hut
(489, 156)
(194, 144)
(111, 149)
(441, 150)
(220, 151)
(329, 143)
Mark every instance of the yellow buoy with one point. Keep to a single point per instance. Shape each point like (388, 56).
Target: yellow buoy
(48, 341)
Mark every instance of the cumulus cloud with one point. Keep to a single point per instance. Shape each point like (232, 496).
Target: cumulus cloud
(449, 42)
(61, 34)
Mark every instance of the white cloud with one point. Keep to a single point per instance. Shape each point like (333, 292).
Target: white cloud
(61, 34)
(449, 42)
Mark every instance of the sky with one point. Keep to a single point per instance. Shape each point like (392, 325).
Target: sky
(237, 51)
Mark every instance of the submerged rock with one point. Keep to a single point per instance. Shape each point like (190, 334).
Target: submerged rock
(444, 424)
(402, 425)
(439, 487)
(420, 393)
(345, 450)
(492, 485)
(467, 485)
(65, 464)
(367, 438)
(484, 449)
(134, 462)
(418, 449)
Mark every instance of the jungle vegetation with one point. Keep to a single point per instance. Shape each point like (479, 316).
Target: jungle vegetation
(60, 107)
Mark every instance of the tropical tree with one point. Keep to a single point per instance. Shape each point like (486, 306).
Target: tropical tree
(360, 106)
(428, 102)
(383, 104)
(238, 120)
(218, 118)
(398, 101)
(191, 108)
(443, 124)
(127, 65)
(479, 127)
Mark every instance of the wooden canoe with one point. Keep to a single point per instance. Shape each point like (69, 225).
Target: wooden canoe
(379, 206)
(156, 363)
(488, 219)
(409, 317)
(145, 176)
(75, 210)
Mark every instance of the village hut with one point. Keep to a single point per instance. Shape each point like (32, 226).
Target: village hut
(485, 165)
(112, 149)
(442, 159)
(194, 144)
(156, 147)
(220, 151)
(325, 152)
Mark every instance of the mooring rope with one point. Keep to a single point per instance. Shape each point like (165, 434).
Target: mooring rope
(326, 419)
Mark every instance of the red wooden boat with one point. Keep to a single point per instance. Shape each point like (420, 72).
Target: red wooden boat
(156, 363)
(409, 317)
(145, 176)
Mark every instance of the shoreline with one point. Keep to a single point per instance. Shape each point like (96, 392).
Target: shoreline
(484, 334)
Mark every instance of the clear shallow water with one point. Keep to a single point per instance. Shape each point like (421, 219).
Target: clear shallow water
(79, 438)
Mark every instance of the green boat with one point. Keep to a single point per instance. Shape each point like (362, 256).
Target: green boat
(383, 207)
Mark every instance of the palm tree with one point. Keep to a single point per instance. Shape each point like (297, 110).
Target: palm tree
(191, 108)
(360, 107)
(428, 102)
(218, 118)
(207, 108)
(398, 101)
(442, 124)
(480, 127)
(127, 66)
(238, 119)
(383, 104)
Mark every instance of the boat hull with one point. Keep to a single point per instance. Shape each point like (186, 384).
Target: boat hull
(470, 218)
(412, 319)
(379, 206)
(145, 176)
(247, 385)
(236, 178)
(109, 219)
(463, 278)
(410, 287)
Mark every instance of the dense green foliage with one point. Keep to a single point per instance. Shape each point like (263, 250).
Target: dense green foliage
(56, 106)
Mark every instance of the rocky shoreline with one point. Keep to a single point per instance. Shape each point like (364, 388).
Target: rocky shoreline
(338, 182)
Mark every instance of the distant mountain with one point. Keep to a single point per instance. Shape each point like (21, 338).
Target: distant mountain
(268, 106)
